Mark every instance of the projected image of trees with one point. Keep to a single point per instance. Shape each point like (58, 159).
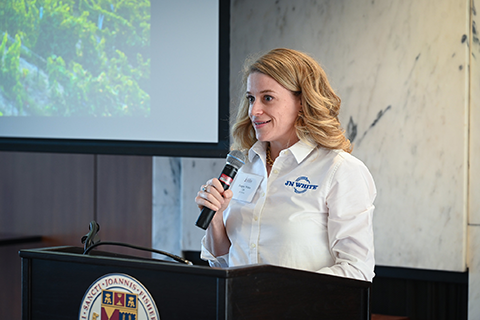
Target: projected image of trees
(74, 58)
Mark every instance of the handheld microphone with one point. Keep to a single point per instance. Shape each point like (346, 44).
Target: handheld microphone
(235, 160)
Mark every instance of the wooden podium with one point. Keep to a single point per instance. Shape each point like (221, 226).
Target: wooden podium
(55, 280)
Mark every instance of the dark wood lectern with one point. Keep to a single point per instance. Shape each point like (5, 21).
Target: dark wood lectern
(54, 281)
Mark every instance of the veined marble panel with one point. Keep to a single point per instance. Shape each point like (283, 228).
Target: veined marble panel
(176, 182)
(474, 195)
(474, 204)
(195, 172)
(167, 214)
(401, 68)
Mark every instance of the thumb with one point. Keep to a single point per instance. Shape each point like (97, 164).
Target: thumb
(227, 194)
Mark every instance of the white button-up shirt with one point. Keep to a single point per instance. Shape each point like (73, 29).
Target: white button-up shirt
(314, 212)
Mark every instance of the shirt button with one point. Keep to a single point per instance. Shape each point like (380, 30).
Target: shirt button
(263, 194)
(255, 218)
(275, 171)
(253, 245)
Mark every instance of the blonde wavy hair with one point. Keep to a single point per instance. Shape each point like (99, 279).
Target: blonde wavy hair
(317, 122)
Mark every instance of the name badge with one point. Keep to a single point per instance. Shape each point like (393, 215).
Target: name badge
(245, 186)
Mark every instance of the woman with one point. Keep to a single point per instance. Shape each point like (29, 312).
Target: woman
(303, 200)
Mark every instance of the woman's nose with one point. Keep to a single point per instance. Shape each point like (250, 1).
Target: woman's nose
(256, 108)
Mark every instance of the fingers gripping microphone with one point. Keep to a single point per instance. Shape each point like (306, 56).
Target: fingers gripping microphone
(235, 160)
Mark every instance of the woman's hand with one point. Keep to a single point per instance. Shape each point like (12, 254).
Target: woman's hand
(213, 196)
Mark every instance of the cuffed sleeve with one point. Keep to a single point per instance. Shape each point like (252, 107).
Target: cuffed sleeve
(205, 254)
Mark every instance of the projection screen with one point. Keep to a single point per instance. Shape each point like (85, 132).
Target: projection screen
(115, 77)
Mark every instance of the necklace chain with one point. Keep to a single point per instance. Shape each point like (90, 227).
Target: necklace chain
(269, 157)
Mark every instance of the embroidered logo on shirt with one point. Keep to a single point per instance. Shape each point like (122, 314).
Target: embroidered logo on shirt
(301, 185)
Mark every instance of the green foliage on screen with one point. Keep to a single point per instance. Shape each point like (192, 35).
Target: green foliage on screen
(75, 58)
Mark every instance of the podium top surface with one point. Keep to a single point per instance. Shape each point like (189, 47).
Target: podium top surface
(75, 254)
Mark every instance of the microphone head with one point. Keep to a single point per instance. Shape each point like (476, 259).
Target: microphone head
(236, 158)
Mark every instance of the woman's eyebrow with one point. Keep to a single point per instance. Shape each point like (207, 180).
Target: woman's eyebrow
(263, 91)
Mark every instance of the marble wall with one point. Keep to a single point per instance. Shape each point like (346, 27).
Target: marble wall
(401, 69)
(408, 76)
(176, 183)
(166, 206)
(474, 183)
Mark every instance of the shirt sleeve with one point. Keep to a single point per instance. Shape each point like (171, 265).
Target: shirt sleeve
(205, 254)
(350, 230)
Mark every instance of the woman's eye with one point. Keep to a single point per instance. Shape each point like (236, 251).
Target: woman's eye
(268, 98)
(250, 99)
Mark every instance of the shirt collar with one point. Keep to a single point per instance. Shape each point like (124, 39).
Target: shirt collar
(300, 150)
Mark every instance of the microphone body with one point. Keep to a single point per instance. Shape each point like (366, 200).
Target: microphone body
(235, 160)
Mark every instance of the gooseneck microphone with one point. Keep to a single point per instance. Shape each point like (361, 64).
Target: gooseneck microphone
(235, 160)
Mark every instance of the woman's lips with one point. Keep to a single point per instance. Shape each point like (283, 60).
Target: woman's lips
(259, 124)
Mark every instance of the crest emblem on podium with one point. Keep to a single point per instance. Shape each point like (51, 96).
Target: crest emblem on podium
(118, 297)
(118, 305)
